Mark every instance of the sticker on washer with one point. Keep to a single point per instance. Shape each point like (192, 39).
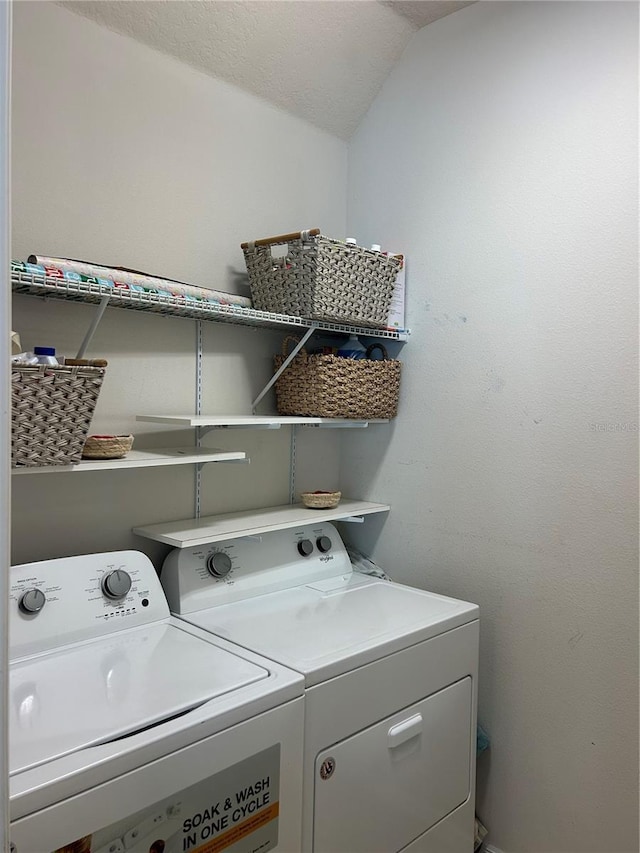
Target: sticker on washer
(236, 811)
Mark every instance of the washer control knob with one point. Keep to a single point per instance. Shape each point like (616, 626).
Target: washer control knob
(219, 564)
(116, 584)
(32, 601)
(305, 547)
(324, 544)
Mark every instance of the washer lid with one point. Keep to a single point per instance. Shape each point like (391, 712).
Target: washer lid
(335, 625)
(105, 689)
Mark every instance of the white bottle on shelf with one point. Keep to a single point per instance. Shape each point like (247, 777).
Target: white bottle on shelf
(352, 348)
(45, 355)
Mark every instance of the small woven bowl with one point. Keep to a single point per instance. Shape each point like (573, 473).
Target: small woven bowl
(107, 446)
(321, 500)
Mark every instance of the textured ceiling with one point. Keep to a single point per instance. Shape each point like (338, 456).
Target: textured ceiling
(423, 12)
(322, 60)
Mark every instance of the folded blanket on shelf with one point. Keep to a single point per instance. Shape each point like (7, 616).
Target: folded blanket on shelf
(83, 271)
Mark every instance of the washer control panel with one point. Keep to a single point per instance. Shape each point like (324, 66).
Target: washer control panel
(55, 602)
(234, 569)
(219, 564)
(115, 584)
(33, 600)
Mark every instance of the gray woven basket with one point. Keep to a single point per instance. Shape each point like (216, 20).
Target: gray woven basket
(321, 279)
(328, 386)
(51, 411)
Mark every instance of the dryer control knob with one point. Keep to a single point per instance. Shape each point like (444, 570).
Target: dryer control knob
(324, 544)
(219, 564)
(32, 601)
(305, 547)
(116, 584)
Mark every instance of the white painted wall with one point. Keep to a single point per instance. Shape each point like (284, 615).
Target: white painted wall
(502, 156)
(122, 155)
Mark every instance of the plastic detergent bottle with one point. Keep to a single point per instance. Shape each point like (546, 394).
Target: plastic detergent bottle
(352, 348)
(45, 355)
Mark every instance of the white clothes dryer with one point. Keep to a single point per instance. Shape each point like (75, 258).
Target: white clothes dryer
(391, 684)
(133, 732)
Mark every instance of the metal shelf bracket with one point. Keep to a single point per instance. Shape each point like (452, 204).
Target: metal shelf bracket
(94, 325)
(294, 352)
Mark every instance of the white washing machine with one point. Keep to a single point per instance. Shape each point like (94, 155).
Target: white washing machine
(133, 732)
(390, 675)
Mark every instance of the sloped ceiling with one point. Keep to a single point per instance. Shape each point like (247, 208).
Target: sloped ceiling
(322, 60)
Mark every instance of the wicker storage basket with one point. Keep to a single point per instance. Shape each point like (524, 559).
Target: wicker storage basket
(329, 386)
(321, 279)
(321, 500)
(51, 411)
(107, 446)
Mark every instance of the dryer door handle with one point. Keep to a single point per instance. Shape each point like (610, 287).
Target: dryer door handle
(404, 731)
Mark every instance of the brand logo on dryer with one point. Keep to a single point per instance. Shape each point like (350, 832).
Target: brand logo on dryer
(327, 767)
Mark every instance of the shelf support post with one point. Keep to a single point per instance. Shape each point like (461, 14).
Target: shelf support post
(292, 465)
(92, 328)
(198, 471)
(294, 352)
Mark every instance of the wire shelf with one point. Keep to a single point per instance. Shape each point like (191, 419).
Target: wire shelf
(34, 284)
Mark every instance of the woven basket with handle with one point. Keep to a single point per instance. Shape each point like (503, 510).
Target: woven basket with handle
(321, 279)
(51, 411)
(328, 386)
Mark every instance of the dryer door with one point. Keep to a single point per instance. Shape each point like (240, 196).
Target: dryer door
(379, 789)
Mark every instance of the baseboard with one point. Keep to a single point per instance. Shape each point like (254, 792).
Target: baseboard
(489, 848)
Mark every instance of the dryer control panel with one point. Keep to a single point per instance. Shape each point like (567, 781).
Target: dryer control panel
(56, 602)
(231, 570)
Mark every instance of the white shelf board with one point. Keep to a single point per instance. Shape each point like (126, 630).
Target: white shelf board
(193, 532)
(273, 421)
(142, 459)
